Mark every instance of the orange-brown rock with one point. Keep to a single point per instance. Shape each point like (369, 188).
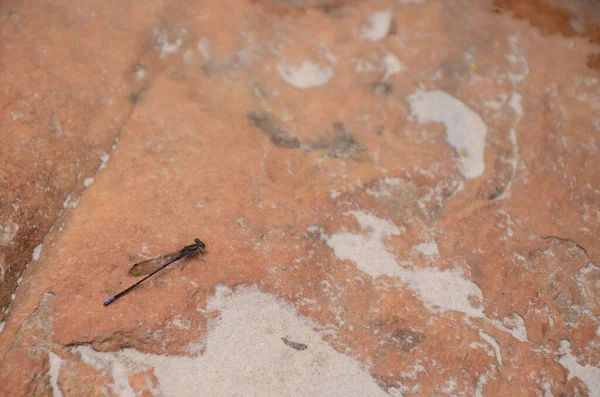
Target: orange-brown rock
(397, 198)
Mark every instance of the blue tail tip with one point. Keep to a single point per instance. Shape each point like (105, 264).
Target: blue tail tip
(109, 301)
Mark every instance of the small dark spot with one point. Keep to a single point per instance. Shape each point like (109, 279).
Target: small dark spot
(344, 144)
(334, 11)
(135, 97)
(380, 88)
(594, 61)
(339, 128)
(497, 193)
(269, 126)
(295, 345)
(379, 131)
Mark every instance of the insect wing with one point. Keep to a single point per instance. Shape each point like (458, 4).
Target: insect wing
(150, 265)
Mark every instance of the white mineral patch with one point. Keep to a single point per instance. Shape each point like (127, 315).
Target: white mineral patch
(36, 252)
(140, 73)
(203, 47)
(368, 251)
(170, 48)
(429, 248)
(8, 232)
(363, 66)
(245, 356)
(515, 104)
(70, 202)
(305, 75)
(465, 129)
(439, 291)
(489, 339)
(55, 362)
(104, 157)
(392, 65)
(88, 181)
(518, 65)
(480, 384)
(166, 47)
(514, 325)
(181, 323)
(587, 374)
(446, 290)
(188, 57)
(379, 26)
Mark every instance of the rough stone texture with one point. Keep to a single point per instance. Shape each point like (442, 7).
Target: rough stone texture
(66, 74)
(329, 156)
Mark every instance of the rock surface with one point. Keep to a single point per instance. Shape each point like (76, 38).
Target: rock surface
(398, 198)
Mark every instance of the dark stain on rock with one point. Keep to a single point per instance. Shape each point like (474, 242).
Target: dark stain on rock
(555, 18)
(407, 339)
(344, 144)
(335, 11)
(381, 88)
(136, 97)
(267, 124)
(294, 345)
(497, 193)
(298, 8)
(594, 61)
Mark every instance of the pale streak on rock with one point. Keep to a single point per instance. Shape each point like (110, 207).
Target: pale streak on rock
(492, 342)
(8, 232)
(244, 356)
(37, 251)
(54, 370)
(429, 248)
(514, 325)
(379, 26)
(392, 65)
(440, 291)
(588, 374)
(465, 129)
(305, 75)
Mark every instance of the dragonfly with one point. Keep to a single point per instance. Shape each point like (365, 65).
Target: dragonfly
(152, 266)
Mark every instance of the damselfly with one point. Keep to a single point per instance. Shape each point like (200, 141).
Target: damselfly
(154, 265)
